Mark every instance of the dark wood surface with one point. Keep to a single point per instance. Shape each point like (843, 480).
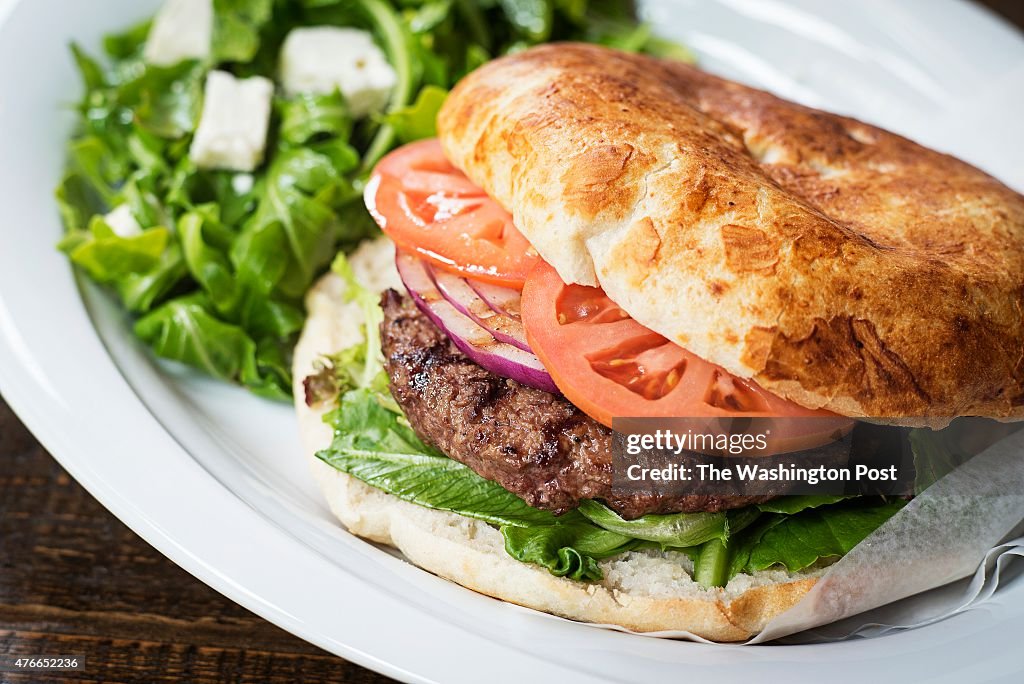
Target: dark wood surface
(1012, 10)
(75, 580)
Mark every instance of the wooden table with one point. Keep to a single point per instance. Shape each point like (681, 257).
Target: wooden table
(75, 580)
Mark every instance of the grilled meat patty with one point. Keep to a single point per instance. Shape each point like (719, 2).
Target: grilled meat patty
(535, 444)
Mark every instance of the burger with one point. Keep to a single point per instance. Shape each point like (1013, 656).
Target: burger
(597, 235)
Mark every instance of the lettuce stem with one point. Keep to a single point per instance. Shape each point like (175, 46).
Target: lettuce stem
(711, 568)
(397, 45)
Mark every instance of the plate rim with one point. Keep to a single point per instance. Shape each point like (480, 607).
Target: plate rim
(32, 387)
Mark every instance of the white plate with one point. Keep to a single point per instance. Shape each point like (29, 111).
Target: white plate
(214, 478)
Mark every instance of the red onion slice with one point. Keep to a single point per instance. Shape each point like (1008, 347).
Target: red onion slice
(504, 300)
(463, 297)
(473, 340)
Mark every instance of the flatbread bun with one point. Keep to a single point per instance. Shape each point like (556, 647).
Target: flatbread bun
(834, 263)
(644, 592)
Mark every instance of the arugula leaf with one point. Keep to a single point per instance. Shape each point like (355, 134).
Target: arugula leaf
(236, 28)
(261, 316)
(310, 116)
(668, 49)
(268, 374)
(165, 100)
(78, 202)
(676, 529)
(429, 16)
(107, 257)
(141, 291)
(128, 44)
(186, 330)
(98, 166)
(471, 12)
(270, 317)
(418, 120)
(90, 70)
(209, 266)
(292, 235)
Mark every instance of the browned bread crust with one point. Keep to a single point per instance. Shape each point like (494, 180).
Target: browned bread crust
(835, 263)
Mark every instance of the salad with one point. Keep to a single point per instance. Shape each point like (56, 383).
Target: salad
(222, 148)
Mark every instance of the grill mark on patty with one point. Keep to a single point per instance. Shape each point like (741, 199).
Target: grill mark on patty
(535, 444)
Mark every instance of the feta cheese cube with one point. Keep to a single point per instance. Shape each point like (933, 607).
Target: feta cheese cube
(182, 29)
(232, 132)
(122, 222)
(323, 59)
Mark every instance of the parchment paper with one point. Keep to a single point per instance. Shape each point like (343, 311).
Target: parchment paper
(952, 530)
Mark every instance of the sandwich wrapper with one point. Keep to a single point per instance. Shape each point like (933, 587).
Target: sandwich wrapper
(967, 525)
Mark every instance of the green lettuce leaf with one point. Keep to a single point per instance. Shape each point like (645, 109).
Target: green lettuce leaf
(378, 447)
(364, 366)
(798, 541)
(568, 549)
(418, 120)
(676, 529)
(790, 505)
(374, 443)
(360, 365)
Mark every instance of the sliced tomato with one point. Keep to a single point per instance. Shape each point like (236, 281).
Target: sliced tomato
(610, 366)
(428, 206)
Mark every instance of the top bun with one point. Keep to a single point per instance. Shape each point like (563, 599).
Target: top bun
(836, 264)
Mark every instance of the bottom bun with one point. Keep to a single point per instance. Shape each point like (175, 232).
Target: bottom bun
(643, 591)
